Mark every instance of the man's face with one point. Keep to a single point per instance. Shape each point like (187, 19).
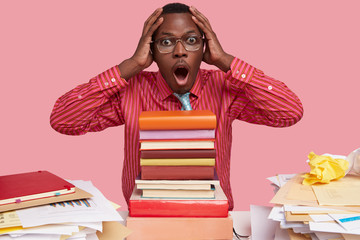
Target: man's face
(179, 67)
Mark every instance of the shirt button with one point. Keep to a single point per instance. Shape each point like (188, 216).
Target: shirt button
(243, 75)
(237, 72)
(113, 79)
(106, 83)
(79, 97)
(269, 87)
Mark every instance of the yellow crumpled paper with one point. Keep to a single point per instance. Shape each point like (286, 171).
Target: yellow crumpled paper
(324, 169)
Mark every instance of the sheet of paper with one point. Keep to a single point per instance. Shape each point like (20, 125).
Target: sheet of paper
(281, 234)
(94, 225)
(330, 227)
(347, 221)
(326, 236)
(261, 227)
(32, 237)
(297, 217)
(56, 229)
(9, 219)
(113, 231)
(95, 209)
(321, 218)
(343, 192)
(277, 214)
(297, 198)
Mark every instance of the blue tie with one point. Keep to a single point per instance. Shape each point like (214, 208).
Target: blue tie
(185, 100)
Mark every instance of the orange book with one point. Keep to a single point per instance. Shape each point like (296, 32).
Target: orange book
(176, 120)
(180, 228)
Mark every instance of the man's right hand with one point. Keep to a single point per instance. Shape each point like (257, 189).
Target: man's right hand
(142, 57)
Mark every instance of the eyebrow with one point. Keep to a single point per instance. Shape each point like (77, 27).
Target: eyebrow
(171, 34)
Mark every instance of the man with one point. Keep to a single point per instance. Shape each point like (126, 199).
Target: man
(177, 38)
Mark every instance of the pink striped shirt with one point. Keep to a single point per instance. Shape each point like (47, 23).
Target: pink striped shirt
(243, 93)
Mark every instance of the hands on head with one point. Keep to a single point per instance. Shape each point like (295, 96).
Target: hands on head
(143, 57)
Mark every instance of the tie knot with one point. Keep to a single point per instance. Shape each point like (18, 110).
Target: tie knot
(185, 100)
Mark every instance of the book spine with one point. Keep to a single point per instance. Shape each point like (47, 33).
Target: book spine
(178, 208)
(177, 144)
(177, 172)
(177, 134)
(163, 122)
(180, 153)
(178, 162)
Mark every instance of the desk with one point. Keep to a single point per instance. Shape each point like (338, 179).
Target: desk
(241, 221)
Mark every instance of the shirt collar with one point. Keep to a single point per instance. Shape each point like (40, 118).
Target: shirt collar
(165, 91)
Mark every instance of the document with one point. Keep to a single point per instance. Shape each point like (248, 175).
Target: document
(95, 209)
(343, 192)
(261, 227)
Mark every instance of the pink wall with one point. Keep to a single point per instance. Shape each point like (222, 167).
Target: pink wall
(47, 48)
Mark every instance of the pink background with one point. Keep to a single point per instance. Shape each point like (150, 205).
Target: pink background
(48, 47)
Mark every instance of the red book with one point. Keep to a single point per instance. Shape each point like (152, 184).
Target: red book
(177, 172)
(22, 187)
(144, 207)
(176, 120)
(179, 153)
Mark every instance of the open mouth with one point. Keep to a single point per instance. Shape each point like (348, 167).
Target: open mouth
(181, 73)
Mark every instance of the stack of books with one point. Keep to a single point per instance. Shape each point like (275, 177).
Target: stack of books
(319, 211)
(178, 194)
(41, 205)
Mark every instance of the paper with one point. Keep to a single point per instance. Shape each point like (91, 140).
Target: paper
(331, 227)
(347, 221)
(113, 231)
(9, 219)
(325, 168)
(344, 192)
(261, 227)
(95, 209)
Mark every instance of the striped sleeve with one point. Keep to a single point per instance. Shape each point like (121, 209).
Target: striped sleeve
(92, 106)
(261, 99)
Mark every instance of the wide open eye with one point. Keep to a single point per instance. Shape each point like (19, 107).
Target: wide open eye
(191, 40)
(166, 42)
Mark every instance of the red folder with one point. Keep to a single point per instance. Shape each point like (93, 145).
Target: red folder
(22, 187)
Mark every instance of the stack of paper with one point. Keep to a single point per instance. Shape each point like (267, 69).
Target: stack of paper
(320, 211)
(82, 215)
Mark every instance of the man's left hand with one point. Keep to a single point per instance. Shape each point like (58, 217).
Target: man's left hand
(214, 53)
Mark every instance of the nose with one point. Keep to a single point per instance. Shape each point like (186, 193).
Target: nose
(179, 50)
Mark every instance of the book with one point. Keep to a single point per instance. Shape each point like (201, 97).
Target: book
(176, 184)
(179, 153)
(177, 134)
(178, 162)
(176, 120)
(177, 144)
(180, 228)
(149, 207)
(178, 193)
(177, 172)
(17, 188)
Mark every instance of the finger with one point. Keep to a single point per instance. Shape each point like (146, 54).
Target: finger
(200, 17)
(208, 32)
(151, 19)
(155, 26)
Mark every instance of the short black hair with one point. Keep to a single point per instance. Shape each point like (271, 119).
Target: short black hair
(175, 8)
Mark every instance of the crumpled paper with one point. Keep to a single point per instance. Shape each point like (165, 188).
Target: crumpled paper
(324, 169)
